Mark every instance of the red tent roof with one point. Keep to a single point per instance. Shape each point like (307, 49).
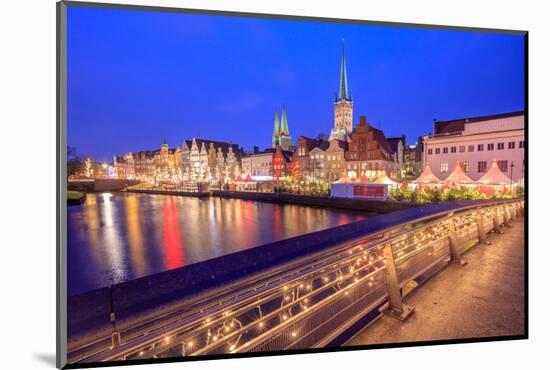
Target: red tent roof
(494, 176)
(458, 176)
(427, 177)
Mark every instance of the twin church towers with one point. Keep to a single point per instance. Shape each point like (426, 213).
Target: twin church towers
(343, 114)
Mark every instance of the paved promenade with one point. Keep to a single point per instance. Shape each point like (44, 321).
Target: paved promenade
(485, 298)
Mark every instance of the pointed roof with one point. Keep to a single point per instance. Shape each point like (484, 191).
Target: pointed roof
(384, 179)
(494, 176)
(276, 125)
(427, 177)
(284, 122)
(458, 176)
(343, 89)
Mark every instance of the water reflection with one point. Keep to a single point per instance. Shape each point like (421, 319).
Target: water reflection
(115, 237)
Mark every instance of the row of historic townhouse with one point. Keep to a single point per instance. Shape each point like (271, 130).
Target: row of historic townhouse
(365, 155)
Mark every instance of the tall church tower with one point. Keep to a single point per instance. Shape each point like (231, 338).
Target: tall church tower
(276, 131)
(343, 106)
(281, 134)
(285, 140)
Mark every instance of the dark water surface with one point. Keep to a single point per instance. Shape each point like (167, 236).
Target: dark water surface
(116, 237)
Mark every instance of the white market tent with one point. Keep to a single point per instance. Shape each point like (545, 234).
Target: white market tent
(494, 176)
(427, 177)
(384, 179)
(458, 176)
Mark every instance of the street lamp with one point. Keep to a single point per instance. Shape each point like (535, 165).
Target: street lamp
(511, 175)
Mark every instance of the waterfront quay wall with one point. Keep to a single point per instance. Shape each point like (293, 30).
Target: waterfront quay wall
(197, 194)
(138, 300)
(99, 185)
(364, 205)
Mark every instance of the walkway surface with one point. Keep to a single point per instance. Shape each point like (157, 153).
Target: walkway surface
(484, 298)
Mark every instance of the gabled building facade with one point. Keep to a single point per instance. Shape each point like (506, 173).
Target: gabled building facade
(369, 153)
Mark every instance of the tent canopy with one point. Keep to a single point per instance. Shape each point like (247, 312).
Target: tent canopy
(427, 177)
(458, 176)
(384, 179)
(494, 176)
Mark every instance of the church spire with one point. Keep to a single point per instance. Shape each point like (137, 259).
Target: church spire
(343, 89)
(284, 122)
(276, 130)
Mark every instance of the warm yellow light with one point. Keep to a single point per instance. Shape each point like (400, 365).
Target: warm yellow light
(190, 344)
(294, 334)
(261, 325)
(215, 338)
(284, 317)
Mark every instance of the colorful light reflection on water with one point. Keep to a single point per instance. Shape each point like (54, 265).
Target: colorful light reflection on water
(116, 237)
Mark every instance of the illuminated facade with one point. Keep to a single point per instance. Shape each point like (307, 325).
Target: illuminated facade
(210, 161)
(474, 143)
(343, 106)
(369, 153)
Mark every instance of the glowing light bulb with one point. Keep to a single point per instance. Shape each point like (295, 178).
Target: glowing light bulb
(261, 325)
(294, 334)
(190, 344)
(215, 338)
(284, 317)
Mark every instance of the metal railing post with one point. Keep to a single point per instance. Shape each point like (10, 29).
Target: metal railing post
(507, 216)
(456, 257)
(397, 308)
(115, 335)
(481, 234)
(496, 224)
(513, 211)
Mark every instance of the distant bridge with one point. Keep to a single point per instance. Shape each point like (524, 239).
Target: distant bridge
(316, 300)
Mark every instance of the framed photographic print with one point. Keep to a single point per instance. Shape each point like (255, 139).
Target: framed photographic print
(236, 185)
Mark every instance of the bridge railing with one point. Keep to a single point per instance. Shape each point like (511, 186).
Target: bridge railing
(312, 304)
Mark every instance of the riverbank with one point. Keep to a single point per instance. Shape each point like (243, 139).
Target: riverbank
(75, 197)
(356, 205)
(361, 205)
(196, 194)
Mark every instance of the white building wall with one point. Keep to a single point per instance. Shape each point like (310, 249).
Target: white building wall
(510, 130)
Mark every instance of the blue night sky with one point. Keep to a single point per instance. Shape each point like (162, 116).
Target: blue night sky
(135, 78)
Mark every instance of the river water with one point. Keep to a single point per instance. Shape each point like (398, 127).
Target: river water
(116, 237)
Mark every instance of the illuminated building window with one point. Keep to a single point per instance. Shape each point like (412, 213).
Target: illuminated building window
(465, 165)
(503, 165)
(482, 166)
(470, 148)
(444, 167)
(462, 148)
